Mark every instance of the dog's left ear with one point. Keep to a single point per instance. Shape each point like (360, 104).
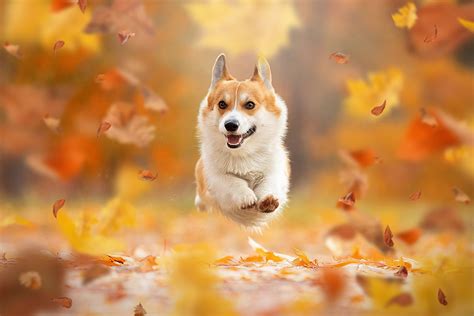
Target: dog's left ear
(262, 72)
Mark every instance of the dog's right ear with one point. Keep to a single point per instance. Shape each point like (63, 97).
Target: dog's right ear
(219, 71)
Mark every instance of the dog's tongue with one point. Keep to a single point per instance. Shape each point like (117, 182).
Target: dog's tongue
(233, 139)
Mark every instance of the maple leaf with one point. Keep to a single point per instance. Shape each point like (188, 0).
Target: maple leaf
(129, 127)
(228, 31)
(384, 86)
(406, 16)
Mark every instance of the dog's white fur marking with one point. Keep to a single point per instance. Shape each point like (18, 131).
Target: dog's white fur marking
(245, 175)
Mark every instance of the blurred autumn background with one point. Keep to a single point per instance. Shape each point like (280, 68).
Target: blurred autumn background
(98, 108)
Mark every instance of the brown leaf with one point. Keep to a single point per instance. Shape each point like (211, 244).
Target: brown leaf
(402, 272)
(460, 196)
(139, 310)
(103, 127)
(63, 301)
(442, 298)
(410, 236)
(57, 206)
(387, 237)
(13, 50)
(415, 196)
(147, 175)
(124, 36)
(443, 219)
(59, 44)
(430, 38)
(403, 299)
(377, 110)
(346, 202)
(82, 5)
(339, 58)
(31, 280)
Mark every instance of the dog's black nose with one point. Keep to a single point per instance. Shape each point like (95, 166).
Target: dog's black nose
(231, 125)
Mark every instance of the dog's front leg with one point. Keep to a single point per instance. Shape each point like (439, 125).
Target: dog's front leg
(272, 193)
(231, 192)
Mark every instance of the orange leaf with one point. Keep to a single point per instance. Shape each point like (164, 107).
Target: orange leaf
(63, 301)
(103, 127)
(57, 206)
(147, 175)
(410, 236)
(339, 58)
(225, 260)
(346, 202)
(415, 196)
(377, 110)
(59, 44)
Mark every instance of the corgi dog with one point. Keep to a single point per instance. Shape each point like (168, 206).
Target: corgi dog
(244, 169)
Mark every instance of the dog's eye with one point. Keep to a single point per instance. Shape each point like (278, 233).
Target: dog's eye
(222, 105)
(249, 105)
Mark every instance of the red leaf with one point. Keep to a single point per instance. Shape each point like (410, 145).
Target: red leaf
(59, 44)
(57, 206)
(402, 272)
(403, 299)
(460, 196)
(410, 236)
(103, 127)
(64, 301)
(147, 175)
(378, 109)
(415, 196)
(339, 58)
(346, 202)
(82, 5)
(387, 237)
(442, 298)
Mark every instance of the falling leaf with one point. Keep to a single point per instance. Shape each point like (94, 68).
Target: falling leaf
(410, 236)
(403, 299)
(58, 45)
(124, 36)
(333, 283)
(460, 196)
(31, 280)
(82, 5)
(139, 310)
(52, 123)
(339, 58)
(383, 85)
(147, 175)
(427, 118)
(442, 298)
(220, 33)
(402, 272)
(377, 110)
(359, 158)
(406, 16)
(129, 127)
(103, 127)
(13, 50)
(343, 231)
(63, 301)
(387, 237)
(346, 202)
(431, 38)
(112, 260)
(467, 24)
(302, 260)
(57, 206)
(415, 196)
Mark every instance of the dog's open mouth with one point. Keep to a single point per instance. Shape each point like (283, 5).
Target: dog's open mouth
(234, 141)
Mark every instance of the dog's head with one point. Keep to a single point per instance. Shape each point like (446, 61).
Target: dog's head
(242, 113)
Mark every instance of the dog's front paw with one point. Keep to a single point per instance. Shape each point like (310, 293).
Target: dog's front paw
(268, 204)
(248, 200)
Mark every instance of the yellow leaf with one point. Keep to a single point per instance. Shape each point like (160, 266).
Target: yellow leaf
(83, 240)
(128, 184)
(116, 215)
(406, 16)
(244, 25)
(381, 86)
(467, 24)
(15, 220)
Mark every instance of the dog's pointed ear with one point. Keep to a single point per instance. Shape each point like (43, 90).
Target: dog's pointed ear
(219, 71)
(263, 73)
